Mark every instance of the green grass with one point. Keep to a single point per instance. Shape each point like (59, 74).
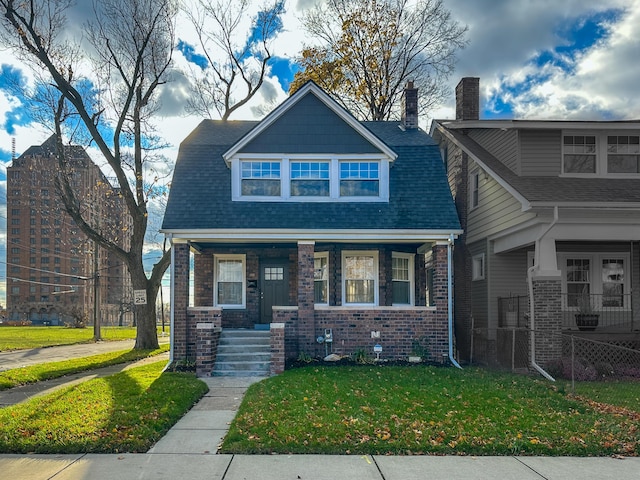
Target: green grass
(419, 410)
(125, 412)
(619, 393)
(47, 371)
(20, 338)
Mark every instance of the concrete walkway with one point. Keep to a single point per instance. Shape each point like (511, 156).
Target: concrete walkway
(189, 449)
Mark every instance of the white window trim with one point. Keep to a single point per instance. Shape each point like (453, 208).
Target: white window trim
(334, 177)
(596, 275)
(216, 259)
(601, 153)
(368, 253)
(412, 285)
(478, 274)
(324, 255)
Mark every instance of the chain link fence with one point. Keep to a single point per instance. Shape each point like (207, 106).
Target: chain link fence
(581, 360)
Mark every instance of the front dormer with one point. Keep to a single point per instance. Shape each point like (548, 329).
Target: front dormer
(282, 159)
(588, 153)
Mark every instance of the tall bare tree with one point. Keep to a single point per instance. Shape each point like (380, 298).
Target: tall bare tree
(232, 61)
(125, 57)
(369, 49)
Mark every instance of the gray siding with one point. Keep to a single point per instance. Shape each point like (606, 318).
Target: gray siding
(507, 277)
(540, 153)
(479, 288)
(310, 127)
(497, 211)
(500, 143)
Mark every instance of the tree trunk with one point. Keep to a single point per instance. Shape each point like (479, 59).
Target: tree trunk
(147, 335)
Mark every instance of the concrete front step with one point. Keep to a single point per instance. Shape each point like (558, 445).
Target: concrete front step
(227, 357)
(243, 353)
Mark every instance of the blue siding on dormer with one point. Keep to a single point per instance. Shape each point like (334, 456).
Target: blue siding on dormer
(310, 127)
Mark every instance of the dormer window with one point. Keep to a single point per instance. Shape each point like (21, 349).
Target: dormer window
(260, 178)
(623, 154)
(579, 154)
(310, 179)
(600, 153)
(359, 179)
(306, 178)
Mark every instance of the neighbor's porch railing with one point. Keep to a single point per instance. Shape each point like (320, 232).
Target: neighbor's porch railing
(615, 313)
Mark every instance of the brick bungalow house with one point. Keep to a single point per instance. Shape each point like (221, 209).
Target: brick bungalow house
(550, 211)
(313, 225)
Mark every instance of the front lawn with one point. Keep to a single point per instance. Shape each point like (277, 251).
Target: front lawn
(421, 410)
(125, 412)
(19, 338)
(47, 371)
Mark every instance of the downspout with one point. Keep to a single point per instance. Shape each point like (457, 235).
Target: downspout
(450, 301)
(532, 317)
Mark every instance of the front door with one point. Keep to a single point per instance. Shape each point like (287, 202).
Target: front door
(274, 287)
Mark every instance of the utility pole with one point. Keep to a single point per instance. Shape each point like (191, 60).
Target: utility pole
(96, 291)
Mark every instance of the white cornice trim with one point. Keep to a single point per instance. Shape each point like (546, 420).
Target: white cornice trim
(268, 235)
(307, 88)
(540, 124)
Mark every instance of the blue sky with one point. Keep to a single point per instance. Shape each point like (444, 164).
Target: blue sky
(574, 59)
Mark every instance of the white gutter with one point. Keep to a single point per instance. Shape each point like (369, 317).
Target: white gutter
(532, 317)
(450, 301)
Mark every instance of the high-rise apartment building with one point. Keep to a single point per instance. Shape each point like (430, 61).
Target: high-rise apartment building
(51, 264)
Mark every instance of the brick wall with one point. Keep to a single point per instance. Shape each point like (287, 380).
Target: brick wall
(195, 316)
(306, 319)
(207, 340)
(277, 348)
(180, 272)
(548, 320)
(468, 99)
(203, 280)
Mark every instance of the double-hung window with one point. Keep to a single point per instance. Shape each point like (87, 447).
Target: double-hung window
(310, 179)
(402, 278)
(623, 154)
(229, 281)
(600, 276)
(360, 278)
(579, 153)
(321, 278)
(359, 179)
(260, 179)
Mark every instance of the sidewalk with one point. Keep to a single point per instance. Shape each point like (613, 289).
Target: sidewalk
(189, 451)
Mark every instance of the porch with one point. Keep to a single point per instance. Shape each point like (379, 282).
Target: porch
(614, 315)
(315, 298)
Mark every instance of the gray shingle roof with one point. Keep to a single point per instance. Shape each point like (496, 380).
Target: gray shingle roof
(550, 189)
(200, 196)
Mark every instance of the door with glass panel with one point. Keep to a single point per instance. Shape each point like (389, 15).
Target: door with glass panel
(274, 287)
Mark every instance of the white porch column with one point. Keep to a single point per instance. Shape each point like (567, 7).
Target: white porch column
(546, 259)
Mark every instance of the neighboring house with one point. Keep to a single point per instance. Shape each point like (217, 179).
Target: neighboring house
(312, 220)
(548, 206)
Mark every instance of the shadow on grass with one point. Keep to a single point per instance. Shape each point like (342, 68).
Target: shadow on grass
(125, 412)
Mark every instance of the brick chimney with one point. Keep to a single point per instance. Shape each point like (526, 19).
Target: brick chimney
(468, 99)
(410, 107)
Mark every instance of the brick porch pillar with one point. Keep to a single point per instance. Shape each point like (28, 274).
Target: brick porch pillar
(179, 300)
(548, 319)
(439, 338)
(306, 314)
